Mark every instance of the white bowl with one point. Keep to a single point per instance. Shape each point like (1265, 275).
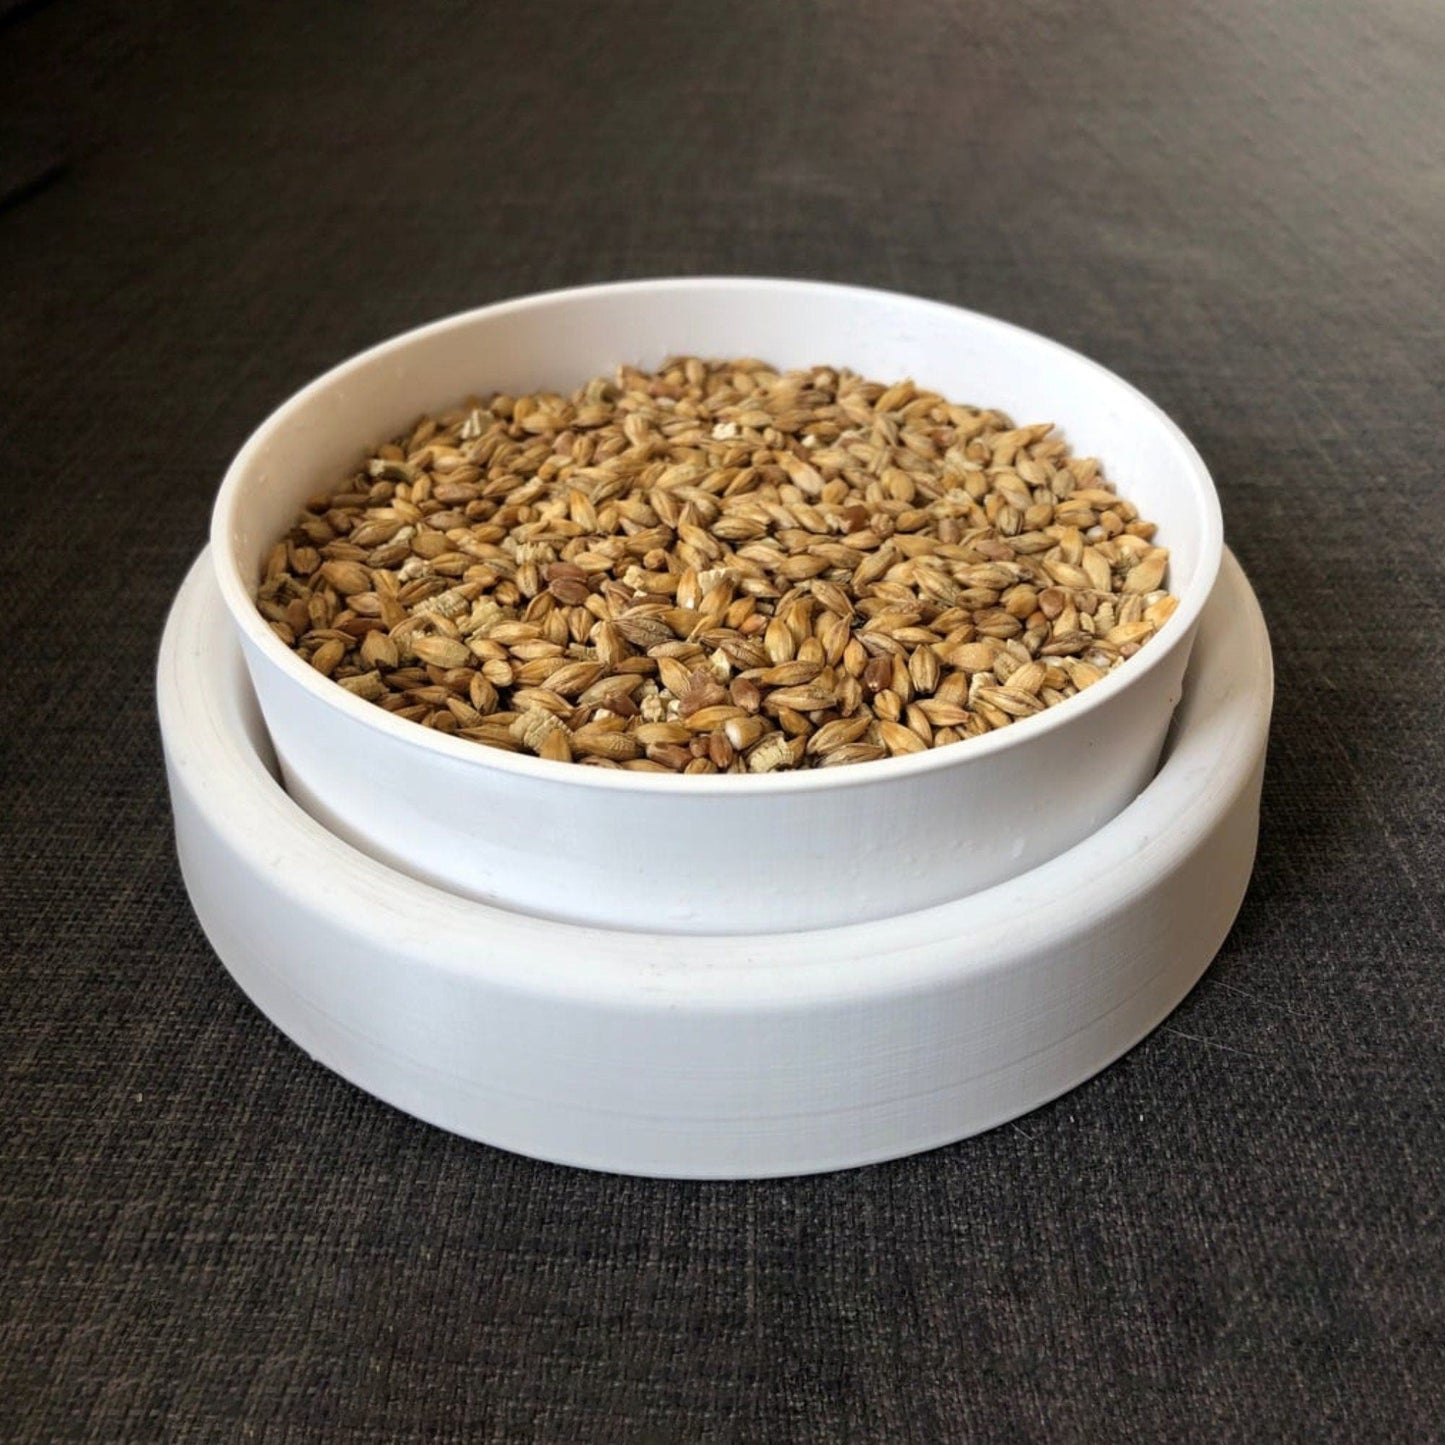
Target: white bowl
(714, 853)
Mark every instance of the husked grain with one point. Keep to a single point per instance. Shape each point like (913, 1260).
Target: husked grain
(718, 567)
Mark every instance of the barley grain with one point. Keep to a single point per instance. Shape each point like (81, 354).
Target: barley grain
(718, 567)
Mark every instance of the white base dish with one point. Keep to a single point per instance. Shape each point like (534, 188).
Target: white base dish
(738, 1056)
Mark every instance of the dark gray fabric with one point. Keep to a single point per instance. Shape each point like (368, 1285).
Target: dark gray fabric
(1235, 1233)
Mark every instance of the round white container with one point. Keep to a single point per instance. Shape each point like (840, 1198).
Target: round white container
(716, 1056)
(730, 853)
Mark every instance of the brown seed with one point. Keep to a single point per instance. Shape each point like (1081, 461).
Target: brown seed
(465, 714)
(573, 678)
(674, 676)
(772, 753)
(649, 734)
(833, 636)
(953, 688)
(532, 728)
(1029, 678)
(745, 694)
(888, 705)
(779, 643)
(568, 590)
(528, 699)
(610, 643)
(1146, 576)
(671, 755)
(743, 731)
(1008, 700)
(837, 734)
(441, 651)
(1161, 611)
(923, 669)
(900, 740)
(807, 698)
(601, 742)
(1067, 644)
(917, 722)
(855, 658)
(834, 598)
(878, 674)
(1082, 674)
(943, 714)
(367, 685)
(745, 568)
(1128, 632)
(644, 630)
(789, 674)
(1099, 572)
(556, 747)
(973, 657)
(327, 657)
(1052, 601)
(379, 651)
(347, 577)
(852, 753)
(795, 724)
(481, 693)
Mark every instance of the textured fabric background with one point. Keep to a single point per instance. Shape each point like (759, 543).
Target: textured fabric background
(1235, 1233)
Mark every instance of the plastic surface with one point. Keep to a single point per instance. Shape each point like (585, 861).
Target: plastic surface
(714, 854)
(716, 1056)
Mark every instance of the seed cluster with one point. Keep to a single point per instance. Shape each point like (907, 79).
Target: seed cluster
(718, 567)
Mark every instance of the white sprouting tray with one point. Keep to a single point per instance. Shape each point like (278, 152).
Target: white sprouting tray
(708, 1056)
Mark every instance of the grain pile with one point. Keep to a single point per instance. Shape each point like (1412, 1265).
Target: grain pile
(718, 567)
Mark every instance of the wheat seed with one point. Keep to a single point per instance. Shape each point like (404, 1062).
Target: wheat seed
(718, 567)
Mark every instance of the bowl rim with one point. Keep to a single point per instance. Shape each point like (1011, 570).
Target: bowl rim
(237, 592)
